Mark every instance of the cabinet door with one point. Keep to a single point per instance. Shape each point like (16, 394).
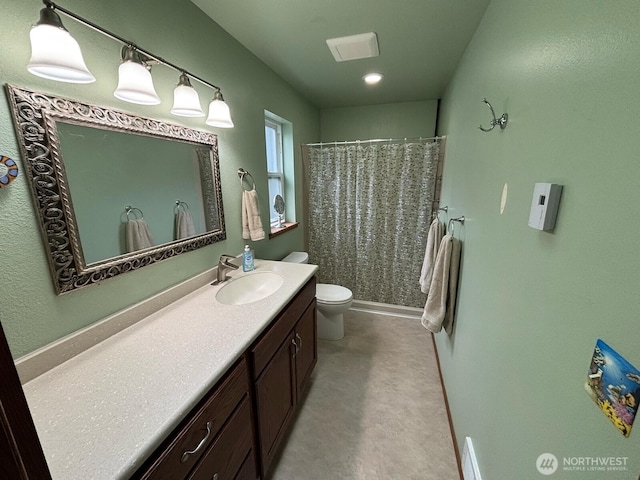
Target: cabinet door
(307, 352)
(275, 401)
(248, 470)
(21, 455)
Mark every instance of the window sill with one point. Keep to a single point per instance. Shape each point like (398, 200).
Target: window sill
(275, 231)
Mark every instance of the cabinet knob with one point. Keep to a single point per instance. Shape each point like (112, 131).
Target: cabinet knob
(188, 453)
(299, 339)
(215, 477)
(293, 340)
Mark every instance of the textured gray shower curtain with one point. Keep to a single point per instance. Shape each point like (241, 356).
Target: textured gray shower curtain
(370, 206)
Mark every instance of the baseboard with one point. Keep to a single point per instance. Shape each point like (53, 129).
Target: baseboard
(386, 309)
(446, 403)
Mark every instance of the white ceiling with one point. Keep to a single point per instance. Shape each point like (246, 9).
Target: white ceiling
(421, 42)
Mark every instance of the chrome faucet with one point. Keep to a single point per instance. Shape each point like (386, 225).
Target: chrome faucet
(223, 267)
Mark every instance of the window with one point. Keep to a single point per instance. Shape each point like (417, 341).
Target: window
(275, 164)
(280, 171)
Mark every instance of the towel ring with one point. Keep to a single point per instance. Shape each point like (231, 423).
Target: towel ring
(129, 209)
(444, 209)
(242, 173)
(180, 205)
(460, 220)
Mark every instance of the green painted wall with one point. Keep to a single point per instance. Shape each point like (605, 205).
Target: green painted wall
(391, 120)
(532, 304)
(32, 315)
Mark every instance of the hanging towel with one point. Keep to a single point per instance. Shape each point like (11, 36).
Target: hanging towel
(454, 270)
(138, 235)
(184, 227)
(440, 305)
(434, 237)
(251, 223)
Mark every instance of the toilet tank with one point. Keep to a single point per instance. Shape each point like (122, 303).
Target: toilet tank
(297, 257)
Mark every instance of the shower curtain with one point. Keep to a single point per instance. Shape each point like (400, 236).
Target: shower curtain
(370, 205)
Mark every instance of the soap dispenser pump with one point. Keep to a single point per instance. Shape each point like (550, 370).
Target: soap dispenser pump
(247, 259)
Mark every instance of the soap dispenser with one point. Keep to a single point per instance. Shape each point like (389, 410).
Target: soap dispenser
(247, 259)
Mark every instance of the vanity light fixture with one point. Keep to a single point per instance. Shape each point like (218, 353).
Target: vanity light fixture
(135, 84)
(56, 55)
(186, 102)
(373, 78)
(219, 115)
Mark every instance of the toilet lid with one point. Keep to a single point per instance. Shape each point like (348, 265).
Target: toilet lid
(332, 294)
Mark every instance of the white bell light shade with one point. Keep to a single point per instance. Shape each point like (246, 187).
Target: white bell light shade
(55, 54)
(135, 84)
(219, 115)
(186, 102)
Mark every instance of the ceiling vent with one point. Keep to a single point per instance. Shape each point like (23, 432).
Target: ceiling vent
(364, 45)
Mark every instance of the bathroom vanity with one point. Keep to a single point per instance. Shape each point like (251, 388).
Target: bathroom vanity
(197, 390)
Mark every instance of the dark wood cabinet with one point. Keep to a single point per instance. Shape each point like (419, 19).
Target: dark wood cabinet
(214, 440)
(244, 419)
(21, 455)
(283, 359)
(275, 400)
(233, 433)
(225, 459)
(307, 343)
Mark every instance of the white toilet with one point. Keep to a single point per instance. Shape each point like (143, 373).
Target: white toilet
(332, 302)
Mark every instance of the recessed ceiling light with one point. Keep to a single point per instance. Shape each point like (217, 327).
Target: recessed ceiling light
(372, 78)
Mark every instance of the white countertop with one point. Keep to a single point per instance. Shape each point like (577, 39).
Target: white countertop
(101, 414)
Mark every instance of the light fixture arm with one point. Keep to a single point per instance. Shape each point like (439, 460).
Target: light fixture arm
(502, 121)
(90, 24)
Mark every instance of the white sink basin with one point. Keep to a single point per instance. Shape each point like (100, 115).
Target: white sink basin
(249, 288)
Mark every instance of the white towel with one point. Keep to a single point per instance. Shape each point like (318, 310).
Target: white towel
(434, 237)
(184, 227)
(251, 223)
(439, 309)
(138, 235)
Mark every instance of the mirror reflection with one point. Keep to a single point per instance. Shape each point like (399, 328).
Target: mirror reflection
(115, 192)
(127, 200)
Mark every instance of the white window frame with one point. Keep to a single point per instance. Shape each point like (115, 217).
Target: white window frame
(279, 162)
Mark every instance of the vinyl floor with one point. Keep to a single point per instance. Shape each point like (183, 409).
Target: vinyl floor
(374, 409)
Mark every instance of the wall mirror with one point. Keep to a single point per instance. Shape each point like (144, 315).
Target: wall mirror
(114, 192)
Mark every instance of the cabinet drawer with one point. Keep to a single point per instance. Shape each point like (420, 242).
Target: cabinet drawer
(199, 433)
(269, 343)
(227, 454)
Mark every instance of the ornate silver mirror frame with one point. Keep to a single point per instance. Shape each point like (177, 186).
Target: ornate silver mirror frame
(35, 115)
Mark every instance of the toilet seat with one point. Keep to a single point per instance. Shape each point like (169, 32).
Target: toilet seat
(328, 294)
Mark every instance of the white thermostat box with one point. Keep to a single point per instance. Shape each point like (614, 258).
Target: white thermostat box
(544, 206)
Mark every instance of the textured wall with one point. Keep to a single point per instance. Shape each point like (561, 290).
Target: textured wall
(32, 315)
(532, 304)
